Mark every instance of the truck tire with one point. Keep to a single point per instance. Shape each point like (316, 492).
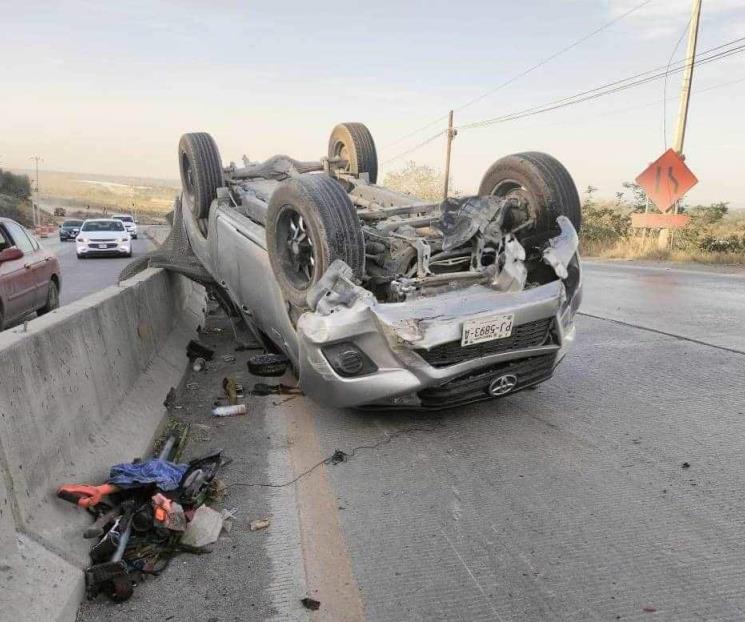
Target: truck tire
(354, 143)
(201, 171)
(542, 180)
(310, 223)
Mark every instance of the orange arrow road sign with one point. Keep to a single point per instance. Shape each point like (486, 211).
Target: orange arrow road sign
(666, 180)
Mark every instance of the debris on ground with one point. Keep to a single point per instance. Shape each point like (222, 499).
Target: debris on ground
(204, 528)
(195, 350)
(685, 465)
(338, 456)
(145, 514)
(261, 523)
(170, 398)
(275, 389)
(311, 603)
(199, 364)
(233, 390)
(268, 364)
(228, 358)
(229, 411)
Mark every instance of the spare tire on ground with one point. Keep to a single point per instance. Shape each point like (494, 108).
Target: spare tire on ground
(201, 172)
(354, 142)
(310, 223)
(540, 180)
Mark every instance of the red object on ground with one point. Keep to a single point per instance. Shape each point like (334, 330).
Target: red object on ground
(85, 495)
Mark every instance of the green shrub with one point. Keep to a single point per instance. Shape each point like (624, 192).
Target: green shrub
(18, 186)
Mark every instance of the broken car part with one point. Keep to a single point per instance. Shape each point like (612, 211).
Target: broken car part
(268, 365)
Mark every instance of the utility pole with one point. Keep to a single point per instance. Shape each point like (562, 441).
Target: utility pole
(666, 235)
(685, 94)
(34, 206)
(451, 133)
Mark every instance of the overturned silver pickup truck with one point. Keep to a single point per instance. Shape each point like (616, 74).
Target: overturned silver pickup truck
(377, 298)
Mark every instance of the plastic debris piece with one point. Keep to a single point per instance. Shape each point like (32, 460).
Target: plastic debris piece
(685, 465)
(261, 523)
(204, 528)
(229, 411)
(164, 474)
(228, 358)
(199, 364)
(311, 603)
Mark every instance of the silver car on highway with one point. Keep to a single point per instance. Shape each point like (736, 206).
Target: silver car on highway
(378, 298)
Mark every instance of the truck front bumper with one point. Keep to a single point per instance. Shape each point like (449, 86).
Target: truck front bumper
(415, 348)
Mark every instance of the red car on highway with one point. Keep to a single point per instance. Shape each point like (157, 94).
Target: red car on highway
(29, 275)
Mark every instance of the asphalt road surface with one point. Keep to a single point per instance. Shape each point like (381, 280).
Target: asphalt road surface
(81, 277)
(612, 492)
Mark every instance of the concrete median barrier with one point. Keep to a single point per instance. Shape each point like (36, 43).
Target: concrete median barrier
(82, 388)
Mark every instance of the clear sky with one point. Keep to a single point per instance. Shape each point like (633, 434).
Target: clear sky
(108, 87)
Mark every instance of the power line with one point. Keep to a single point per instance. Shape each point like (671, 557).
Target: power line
(612, 87)
(606, 89)
(652, 103)
(522, 74)
(416, 147)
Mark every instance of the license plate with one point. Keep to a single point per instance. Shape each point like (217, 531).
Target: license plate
(486, 329)
(102, 245)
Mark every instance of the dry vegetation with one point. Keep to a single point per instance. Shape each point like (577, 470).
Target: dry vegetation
(714, 235)
(98, 194)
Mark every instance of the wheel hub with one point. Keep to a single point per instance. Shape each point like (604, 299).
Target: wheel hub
(300, 247)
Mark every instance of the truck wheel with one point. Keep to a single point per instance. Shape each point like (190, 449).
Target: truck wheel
(354, 143)
(310, 223)
(201, 171)
(52, 299)
(542, 181)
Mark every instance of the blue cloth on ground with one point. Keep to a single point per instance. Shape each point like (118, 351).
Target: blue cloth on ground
(165, 475)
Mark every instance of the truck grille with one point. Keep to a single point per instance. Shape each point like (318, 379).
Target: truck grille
(528, 335)
(475, 385)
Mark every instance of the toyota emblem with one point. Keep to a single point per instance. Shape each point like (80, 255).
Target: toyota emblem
(502, 385)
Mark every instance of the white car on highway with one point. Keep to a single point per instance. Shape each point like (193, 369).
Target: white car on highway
(129, 222)
(103, 236)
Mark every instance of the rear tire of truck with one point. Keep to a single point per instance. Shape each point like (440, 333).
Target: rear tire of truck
(201, 171)
(354, 142)
(310, 223)
(541, 180)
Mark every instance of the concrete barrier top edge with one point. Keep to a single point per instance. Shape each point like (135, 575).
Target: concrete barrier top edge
(11, 336)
